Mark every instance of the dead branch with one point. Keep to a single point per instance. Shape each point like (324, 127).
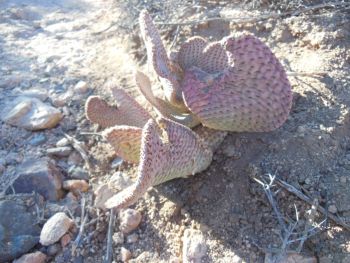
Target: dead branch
(307, 199)
(109, 252)
(79, 147)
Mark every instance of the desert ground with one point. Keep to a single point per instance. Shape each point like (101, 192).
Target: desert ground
(54, 54)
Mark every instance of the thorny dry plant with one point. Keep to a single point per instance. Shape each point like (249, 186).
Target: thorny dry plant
(292, 239)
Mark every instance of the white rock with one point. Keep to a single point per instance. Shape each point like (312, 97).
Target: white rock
(129, 220)
(55, 228)
(63, 142)
(31, 114)
(125, 254)
(81, 87)
(194, 246)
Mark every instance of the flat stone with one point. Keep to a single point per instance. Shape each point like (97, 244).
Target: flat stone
(55, 228)
(76, 172)
(36, 257)
(19, 231)
(31, 114)
(63, 151)
(41, 176)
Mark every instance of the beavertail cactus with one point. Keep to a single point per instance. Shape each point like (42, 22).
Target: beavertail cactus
(236, 84)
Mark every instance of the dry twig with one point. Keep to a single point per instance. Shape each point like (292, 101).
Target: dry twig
(307, 199)
(109, 252)
(79, 147)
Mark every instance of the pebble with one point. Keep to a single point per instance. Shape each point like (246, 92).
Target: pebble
(132, 238)
(332, 209)
(125, 254)
(129, 220)
(63, 151)
(194, 246)
(118, 238)
(19, 224)
(75, 185)
(63, 142)
(55, 228)
(77, 172)
(53, 249)
(41, 176)
(102, 194)
(31, 114)
(81, 87)
(36, 257)
(59, 100)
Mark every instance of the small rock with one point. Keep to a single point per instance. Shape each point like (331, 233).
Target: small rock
(129, 220)
(332, 209)
(76, 172)
(102, 194)
(65, 240)
(31, 114)
(59, 100)
(18, 227)
(37, 139)
(39, 176)
(63, 151)
(36, 257)
(53, 249)
(63, 142)
(194, 246)
(125, 254)
(81, 87)
(55, 228)
(132, 238)
(75, 185)
(118, 238)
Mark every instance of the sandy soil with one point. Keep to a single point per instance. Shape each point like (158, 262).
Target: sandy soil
(54, 44)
